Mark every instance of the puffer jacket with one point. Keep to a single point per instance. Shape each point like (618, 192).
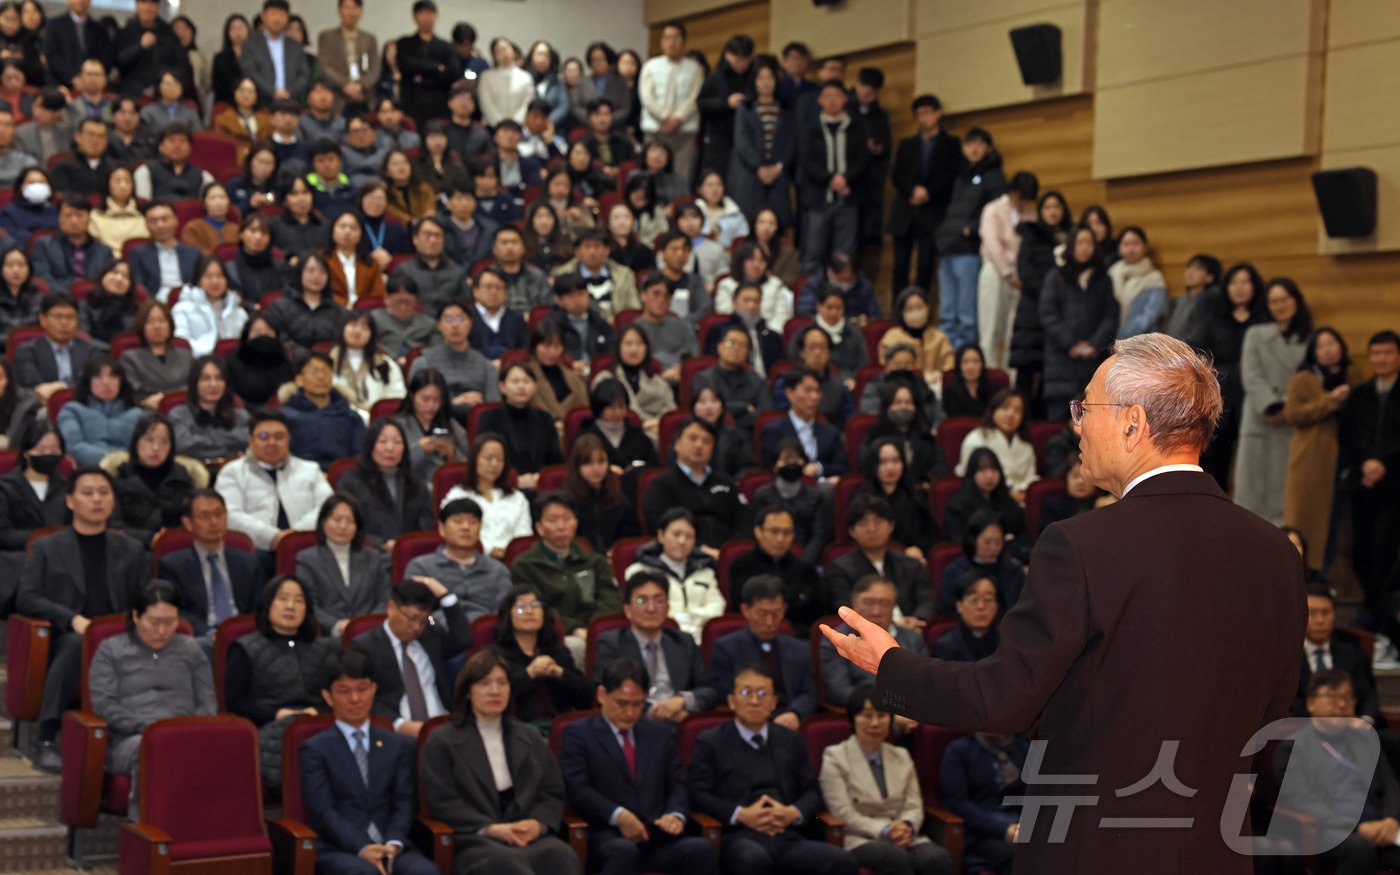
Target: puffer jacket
(1033, 263)
(977, 186)
(695, 598)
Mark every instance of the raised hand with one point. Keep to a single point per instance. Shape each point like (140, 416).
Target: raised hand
(866, 647)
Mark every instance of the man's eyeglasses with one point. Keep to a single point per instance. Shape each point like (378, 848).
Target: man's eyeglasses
(1076, 409)
(642, 601)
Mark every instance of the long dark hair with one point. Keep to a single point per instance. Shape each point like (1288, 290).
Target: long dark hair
(223, 415)
(147, 422)
(889, 388)
(476, 669)
(378, 364)
(503, 482)
(1330, 379)
(126, 303)
(1023, 431)
(1300, 325)
(227, 44)
(34, 431)
(328, 507)
(362, 249)
(581, 453)
(373, 476)
(308, 629)
(1258, 303)
(9, 399)
(983, 457)
(505, 630)
(82, 391)
(870, 464)
(420, 381)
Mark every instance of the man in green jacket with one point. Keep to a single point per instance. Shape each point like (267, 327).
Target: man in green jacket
(572, 579)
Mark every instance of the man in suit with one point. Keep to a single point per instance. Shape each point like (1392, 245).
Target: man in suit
(1323, 648)
(925, 166)
(670, 656)
(85, 174)
(873, 597)
(774, 529)
(834, 163)
(753, 776)
(146, 47)
(47, 132)
(277, 64)
(357, 780)
(72, 253)
(870, 524)
(72, 38)
(820, 440)
(692, 483)
(782, 656)
(82, 572)
(1099, 646)
(54, 361)
(411, 650)
(1369, 434)
(348, 57)
(215, 581)
(165, 262)
(977, 774)
(624, 776)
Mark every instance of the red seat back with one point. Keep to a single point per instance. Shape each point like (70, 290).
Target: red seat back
(874, 331)
(670, 424)
(1041, 431)
(752, 481)
(122, 342)
(841, 497)
(27, 659)
(291, 544)
(447, 475)
(226, 348)
(551, 478)
(1036, 493)
(359, 626)
(643, 481)
(951, 434)
(57, 401)
(297, 732)
(170, 400)
(691, 728)
(689, 368)
(624, 553)
(518, 546)
(794, 325)
(483, 632)
(384, 408)
(169, 541)
(200, 783)
(939, 558)
(940, 492)
(338, 469)
(856, 429)
(573, 423)
(474, 416)
(597, 627)
(623, 318)
(229, 631)
(409, 546)
(728, 552)
(821, 731)
(929, 744)
(759, 424)
(560, 723)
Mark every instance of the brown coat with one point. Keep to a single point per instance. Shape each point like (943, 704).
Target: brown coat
(369, 281)
(202, 236)
(418, 202)
(1312, 461)
(230, 125)
(544, 392)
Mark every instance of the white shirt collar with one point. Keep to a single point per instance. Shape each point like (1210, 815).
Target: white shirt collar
(1164, 469)
(1312, 648)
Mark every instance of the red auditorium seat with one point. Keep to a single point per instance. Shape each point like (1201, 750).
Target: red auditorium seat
(794, 326)
(728, 552)
(841, 498)
(229, 631)
(358, 626)
(1041, 431)
(1036, 494)
(940, 492)
(384, 408)
(716, 628)
(518, 546)
(752, 481)
(670, 424)
(171, 400)
(856, 429)
(338, 470)
(643, 481)
(447, 475)
(689, 368)
(874, 330)
(942, 826)
(409, 546)
(169, 541)
(288, 546)
(939, 558)
(691, 728)
(552, 478)
(474, 416)
(624, 553)
(951, 434)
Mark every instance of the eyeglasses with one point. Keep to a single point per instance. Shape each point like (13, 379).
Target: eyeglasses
(528, 607)
(979, 600)
(273, 435)
(747, 693)
(1076, 409)
(642, 601)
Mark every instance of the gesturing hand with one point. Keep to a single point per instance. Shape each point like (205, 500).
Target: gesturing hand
(866, 647)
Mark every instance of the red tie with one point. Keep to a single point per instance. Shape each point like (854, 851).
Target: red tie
(630, 752)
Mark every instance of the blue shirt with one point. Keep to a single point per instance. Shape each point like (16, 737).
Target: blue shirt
(277, 50)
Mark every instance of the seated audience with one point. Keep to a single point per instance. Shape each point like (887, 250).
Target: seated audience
(559, 387)
(648, 394)
(268, 490)
(983, 489)
(545, 680)
(150, 673)
(781, 255)
(765, 346)
(510, 825)
(933, 352)
(437, 277)
(899, 366)
(605, 515)
(346, 576)
(821, 441)
(331, 192)
(585, 332)
(707, 258)
(672, 339)
(171, 176)
(471, 378)
(612, 287)
(753, 775)
(978, 601)
(260, 365)
(273, 674)
(870, 524)
(491, 483)
(354, 275)
(969, 390)
(256, 187)
(216, 226)
(762, 643)
(690, 297)
(846, 341)
(209, 425)
(400, 324)
(750, 266)
(410, 198)
(153, 484)
(529, 434)
(127, 143)
(308, 314)
(117, 217)
(808, 505)
(620, 808)
(33, 496)
(744, 391)
(47, 132)
(470, 237)
(693, 591)
(100, 418)
(978, 773)
(1005, 429)
(773, 556)
(692, 483)
(110, 307)
(163, 263)
(391, 500)
(209, 310)
(56, 360)
(215, 580)
(812, 349)
(30, 209)
(84, 571)
(546, 244)
(624, 245)
(170, 107)
(361, 817)
(246, 121)
(19, 294)
(886, 475)
(364, 375)
(82, 174)
(841, 678)
(1324, 648)
(362, 154)
(324, 427)
(495, 327)
(882, 827)
(437, 164)
(433, 435)
(477, 580)
(1080, 496)
(72, 253)
(300, 228)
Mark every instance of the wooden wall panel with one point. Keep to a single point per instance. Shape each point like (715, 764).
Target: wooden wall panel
(972, 66)
(936, 16)
(1351, 22)
(709, 32)
(850, 26)
(657, 11)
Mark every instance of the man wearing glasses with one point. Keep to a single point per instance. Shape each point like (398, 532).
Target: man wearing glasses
(753, 775)
(671, 657)
(874, 598)
(269, 491)
(782, 656)
(1144, 702)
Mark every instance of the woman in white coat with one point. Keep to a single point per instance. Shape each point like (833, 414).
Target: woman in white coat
(208, 310)
(505, 90)
(872, 786)
(695, 596)
(1006, 432)
(1271, 354)
(749, 263)
(363, 373)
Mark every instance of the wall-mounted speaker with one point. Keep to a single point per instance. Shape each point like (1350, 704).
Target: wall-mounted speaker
(1038, 53)
(1346, 197)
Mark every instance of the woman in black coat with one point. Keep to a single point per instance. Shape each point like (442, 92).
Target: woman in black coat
(984, 548)
(529, 434)
(33, 495)
(254, 270)
(886, 474)
(754, 149)
(976, 596)
(734, 449)
(1080, 317)
(630, 451)
(260, 365)
(1224, 318)
(902, 420)
(968, 390)
(809, 506)
(1034, 262)
(152, 488)
(604, 512)
(544, 681)
(984, 489)
(1080, 496)
(392, 501)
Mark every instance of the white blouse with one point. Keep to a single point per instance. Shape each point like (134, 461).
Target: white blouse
(1017, 456)
(503, 516)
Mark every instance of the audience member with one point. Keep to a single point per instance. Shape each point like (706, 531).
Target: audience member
(977, 599)
(835, 163)
(47, 132)
(925, 167)
(86, 171)
(1041, 238)
(110, 308)
(1369, 434)
(471, 379)
(763, 643)
(821, 441)
(54, 361)
(913, 327)
(348, 578)
(870, 524)
(426, 63)
(491, 483)
(153, 483)
(172, 176)
(269, 491)
(323, 425)
(842, 679)
(648, 394)
(208, 310)
(208, 425)
(626, 443)
(978, 773)
(1079, 314)
(260, 365)
(808, 505)
(669, 86)
(585, 332)
(163, 263)
(101, 417)
(984, 488)
(29, 210)
(545, 680)
(33, 496)
(886, 469)
(399, 324)
(1316, 392)
(978, 183)
(477, 580)
(364, 374)
(1004, 430)
(215, 227)
(692, 483)
(744, 390)
(216, 581)
(279, 65)
(1325, 649)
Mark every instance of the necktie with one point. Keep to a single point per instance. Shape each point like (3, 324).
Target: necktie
(219, 592)
(78, 27)
(413, 689)
(282, 522)
(629, 751)
(653, 658)
(878, 768)
(756, 741)
(362, 760)
(1320, 659)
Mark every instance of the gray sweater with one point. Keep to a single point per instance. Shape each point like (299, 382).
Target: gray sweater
(465, 371)
(133, 686)
(671, 341)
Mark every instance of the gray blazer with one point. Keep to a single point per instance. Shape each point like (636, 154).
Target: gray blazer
(850, 791)
(682, 663)
(149, 375)
(54, 585)
(369, 583)
(27, 140)
(615, 91)
(257, 65)
(459, 789)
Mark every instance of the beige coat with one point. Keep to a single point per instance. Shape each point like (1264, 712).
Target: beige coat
(850, 791)
(1312, 462)
(935, 353)
(544, 392)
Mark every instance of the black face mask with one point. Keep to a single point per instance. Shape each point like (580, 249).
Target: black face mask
(791, 472)
(264, 346)
(45, 464)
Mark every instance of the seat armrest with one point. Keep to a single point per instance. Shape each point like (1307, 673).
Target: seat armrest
(144, 850)
(85, 741)
(1305, 827)
(710, 829)
(293, 847)
(576, 832)
(434, 839)
(947, 829)
(834, 827)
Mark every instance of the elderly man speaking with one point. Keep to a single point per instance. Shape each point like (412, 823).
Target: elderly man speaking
(1153, 638)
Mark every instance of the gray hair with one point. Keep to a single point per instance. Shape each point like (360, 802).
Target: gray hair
(1176, 385)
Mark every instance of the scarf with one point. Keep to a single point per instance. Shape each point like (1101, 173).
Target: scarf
(1331, 379)
(612, 431)
(835, 148)
(832, 331)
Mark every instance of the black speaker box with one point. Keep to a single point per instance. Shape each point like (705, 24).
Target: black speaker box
(1346, 197)
(1038, 53)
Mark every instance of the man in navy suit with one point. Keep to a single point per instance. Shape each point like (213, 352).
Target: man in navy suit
(164, 262)
(820, 440)
(782, 656)
(753, 776)
(54, 361)
(624, 775)
(357, 781)
(216, 582)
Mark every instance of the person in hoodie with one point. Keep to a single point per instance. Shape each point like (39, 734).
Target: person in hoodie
(724, 92)
(980, 182)
(694, 595)
(1040, 238)
(324, 426)
(208, 310)
(999, 282)
(1138, 285)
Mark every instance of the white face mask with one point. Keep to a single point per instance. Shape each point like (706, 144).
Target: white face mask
(36, 192)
